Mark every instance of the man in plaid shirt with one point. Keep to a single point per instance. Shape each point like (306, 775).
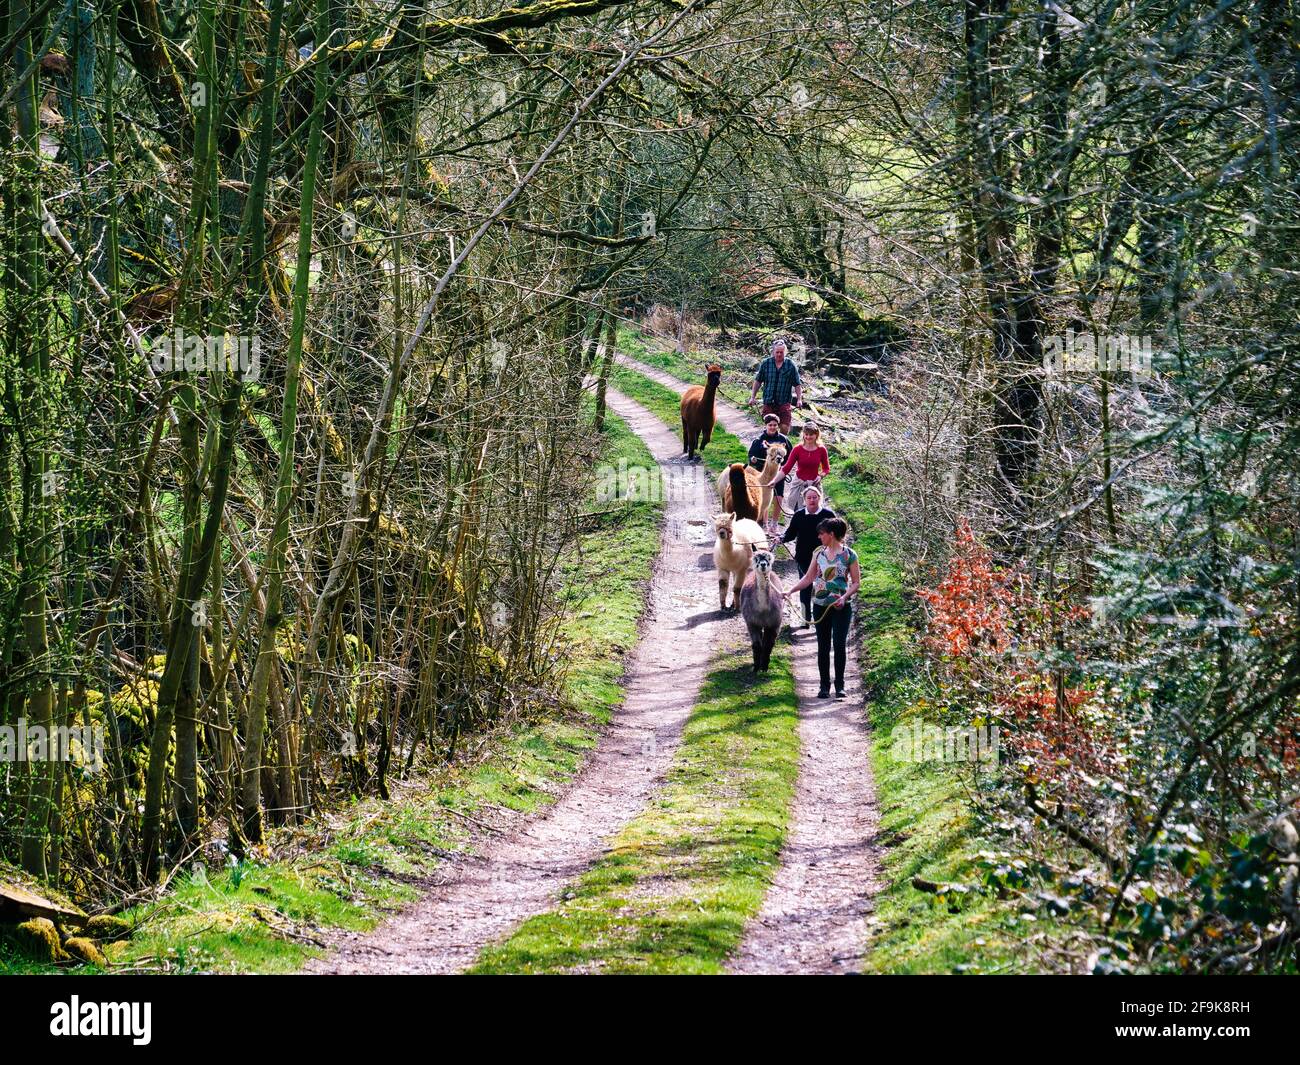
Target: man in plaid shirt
(779, 377)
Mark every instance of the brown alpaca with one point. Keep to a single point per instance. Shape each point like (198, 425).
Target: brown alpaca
(758, 485)
(698, 417)
(738, 493)
(732, 553)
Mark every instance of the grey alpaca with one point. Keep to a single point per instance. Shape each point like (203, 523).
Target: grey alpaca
(760, 606)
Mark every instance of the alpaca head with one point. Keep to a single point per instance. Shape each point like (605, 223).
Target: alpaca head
(776, 454)
(714, 373)
(722, 524)
(762, 562)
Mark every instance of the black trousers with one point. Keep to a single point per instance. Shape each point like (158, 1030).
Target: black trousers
(805, 594)
(833, 628)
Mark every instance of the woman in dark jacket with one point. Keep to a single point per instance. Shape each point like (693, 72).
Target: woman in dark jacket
(803, 531)
(770, 435)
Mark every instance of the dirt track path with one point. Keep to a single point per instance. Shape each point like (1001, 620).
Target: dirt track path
(520, 873)
(813, 919)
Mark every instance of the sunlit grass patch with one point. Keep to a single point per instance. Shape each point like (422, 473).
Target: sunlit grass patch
(737, 369)
(677, 885)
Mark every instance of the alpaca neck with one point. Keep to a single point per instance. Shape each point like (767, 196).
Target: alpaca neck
(740, 501)
(761, 588)
(709, 390)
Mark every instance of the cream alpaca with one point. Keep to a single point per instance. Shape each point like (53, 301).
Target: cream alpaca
(732, 552)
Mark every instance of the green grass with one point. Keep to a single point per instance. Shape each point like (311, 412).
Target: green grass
(927, 823)
(679, 883)
(607, 575)
(723, 449)
(355, 866)
(737, 371)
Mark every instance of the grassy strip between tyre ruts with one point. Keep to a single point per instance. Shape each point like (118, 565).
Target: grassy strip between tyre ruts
(679, 882)
(359, 863)
(927, 828)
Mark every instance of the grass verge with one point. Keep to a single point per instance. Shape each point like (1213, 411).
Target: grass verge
(722, 450)
(927, 825)
(680, 881)
(355, 865)
(737, 373)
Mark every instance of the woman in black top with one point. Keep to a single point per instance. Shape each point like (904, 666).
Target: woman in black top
(803, 531)
(758, 459)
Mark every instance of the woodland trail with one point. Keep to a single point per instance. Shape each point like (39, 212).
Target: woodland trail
(482, 897)
(813, 919)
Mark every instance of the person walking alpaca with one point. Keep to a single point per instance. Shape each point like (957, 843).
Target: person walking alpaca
(803, 531)
(760, 451)
(834, 576)
(810, 461)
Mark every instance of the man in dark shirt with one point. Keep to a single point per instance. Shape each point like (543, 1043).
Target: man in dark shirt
(758, 457)
(803, 531)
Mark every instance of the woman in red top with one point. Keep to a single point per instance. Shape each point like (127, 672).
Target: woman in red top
(809, 459)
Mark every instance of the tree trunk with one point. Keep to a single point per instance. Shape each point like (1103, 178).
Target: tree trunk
(273, 619)
(39, 481)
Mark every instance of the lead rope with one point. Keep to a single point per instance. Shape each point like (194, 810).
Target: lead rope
(829, 607)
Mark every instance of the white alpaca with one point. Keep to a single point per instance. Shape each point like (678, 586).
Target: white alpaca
(732, 552)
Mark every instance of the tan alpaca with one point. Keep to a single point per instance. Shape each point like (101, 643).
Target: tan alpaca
(767, 477)
(732, 552)
(758, 483)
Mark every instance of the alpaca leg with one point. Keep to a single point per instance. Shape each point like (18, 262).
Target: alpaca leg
(723, 581)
